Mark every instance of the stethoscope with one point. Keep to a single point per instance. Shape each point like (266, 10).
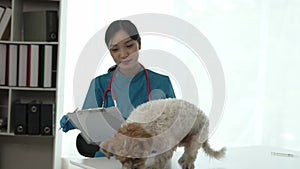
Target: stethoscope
(109, 88)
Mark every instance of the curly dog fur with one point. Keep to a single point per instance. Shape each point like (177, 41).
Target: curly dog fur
(157, 128)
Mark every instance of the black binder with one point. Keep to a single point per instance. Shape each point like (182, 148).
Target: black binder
(46, 119)
(20, 118)
(33, 119)
(41, 26)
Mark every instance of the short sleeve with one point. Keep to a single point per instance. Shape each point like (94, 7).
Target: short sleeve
(169, 89)
(91, 96)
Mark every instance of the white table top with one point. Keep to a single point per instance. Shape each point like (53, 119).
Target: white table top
(256, 157)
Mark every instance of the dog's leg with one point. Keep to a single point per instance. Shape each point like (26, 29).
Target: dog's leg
(191, 147)
(160, 161)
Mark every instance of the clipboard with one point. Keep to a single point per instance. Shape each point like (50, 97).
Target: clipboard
(97, 124)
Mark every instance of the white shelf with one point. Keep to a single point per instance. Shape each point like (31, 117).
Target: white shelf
(28, 88)
(6, 133)
(28, 42)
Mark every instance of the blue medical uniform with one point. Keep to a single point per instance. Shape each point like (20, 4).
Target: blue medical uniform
(160, 88)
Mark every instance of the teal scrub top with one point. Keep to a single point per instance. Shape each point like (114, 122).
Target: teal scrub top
(160, 88)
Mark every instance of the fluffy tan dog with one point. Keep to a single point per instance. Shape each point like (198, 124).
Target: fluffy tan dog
(155, 129)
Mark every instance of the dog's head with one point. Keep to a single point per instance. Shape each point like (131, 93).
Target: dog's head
(131, 145)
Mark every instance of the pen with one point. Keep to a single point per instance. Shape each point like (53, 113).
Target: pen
(69, 117)
(66, 122)
(282, 154)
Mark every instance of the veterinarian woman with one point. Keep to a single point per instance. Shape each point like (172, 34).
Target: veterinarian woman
(128, 84)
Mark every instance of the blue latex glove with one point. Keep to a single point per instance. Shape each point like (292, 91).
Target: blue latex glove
(65, 124)
(99, 154)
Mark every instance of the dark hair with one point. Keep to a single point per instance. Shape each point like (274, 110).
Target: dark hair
(125, 25)
(112, 68)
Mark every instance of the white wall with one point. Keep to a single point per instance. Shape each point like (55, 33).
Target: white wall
(257, 42)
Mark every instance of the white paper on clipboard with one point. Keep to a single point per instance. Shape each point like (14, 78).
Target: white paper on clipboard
(98, 124)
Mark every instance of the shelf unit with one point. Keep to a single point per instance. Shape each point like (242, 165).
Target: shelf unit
(25, 151)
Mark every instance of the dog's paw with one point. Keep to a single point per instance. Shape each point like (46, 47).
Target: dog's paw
(151, 167)
(188, 166)
(185, 164)
(155, 167)
(181, 160)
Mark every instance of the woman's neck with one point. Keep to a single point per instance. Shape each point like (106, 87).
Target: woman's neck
(130, 72)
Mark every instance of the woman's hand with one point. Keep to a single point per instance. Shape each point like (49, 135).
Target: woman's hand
(65, 124)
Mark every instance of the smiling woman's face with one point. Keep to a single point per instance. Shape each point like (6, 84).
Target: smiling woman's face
(124, 50)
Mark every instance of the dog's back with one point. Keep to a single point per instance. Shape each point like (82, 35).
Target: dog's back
(172, 117)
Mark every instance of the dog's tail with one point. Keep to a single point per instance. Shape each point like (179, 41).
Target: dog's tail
(213, 153)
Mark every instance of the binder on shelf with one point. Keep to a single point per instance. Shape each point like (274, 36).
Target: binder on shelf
(47, 66)
(12, 64)
(46, 119)
(33, 118)
(2, 63)
(20, 118)
(2, 9)
(22, 72)
(5, 24)
(47, 29)
(41, 65)
(33, 65)
(54, 66)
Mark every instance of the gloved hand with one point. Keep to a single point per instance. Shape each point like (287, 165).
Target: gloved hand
(65, 124)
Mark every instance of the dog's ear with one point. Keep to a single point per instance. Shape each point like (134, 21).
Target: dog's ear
(107, 154)
(111, 146)
(104, 147)
(136, 140)
(130, 141)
